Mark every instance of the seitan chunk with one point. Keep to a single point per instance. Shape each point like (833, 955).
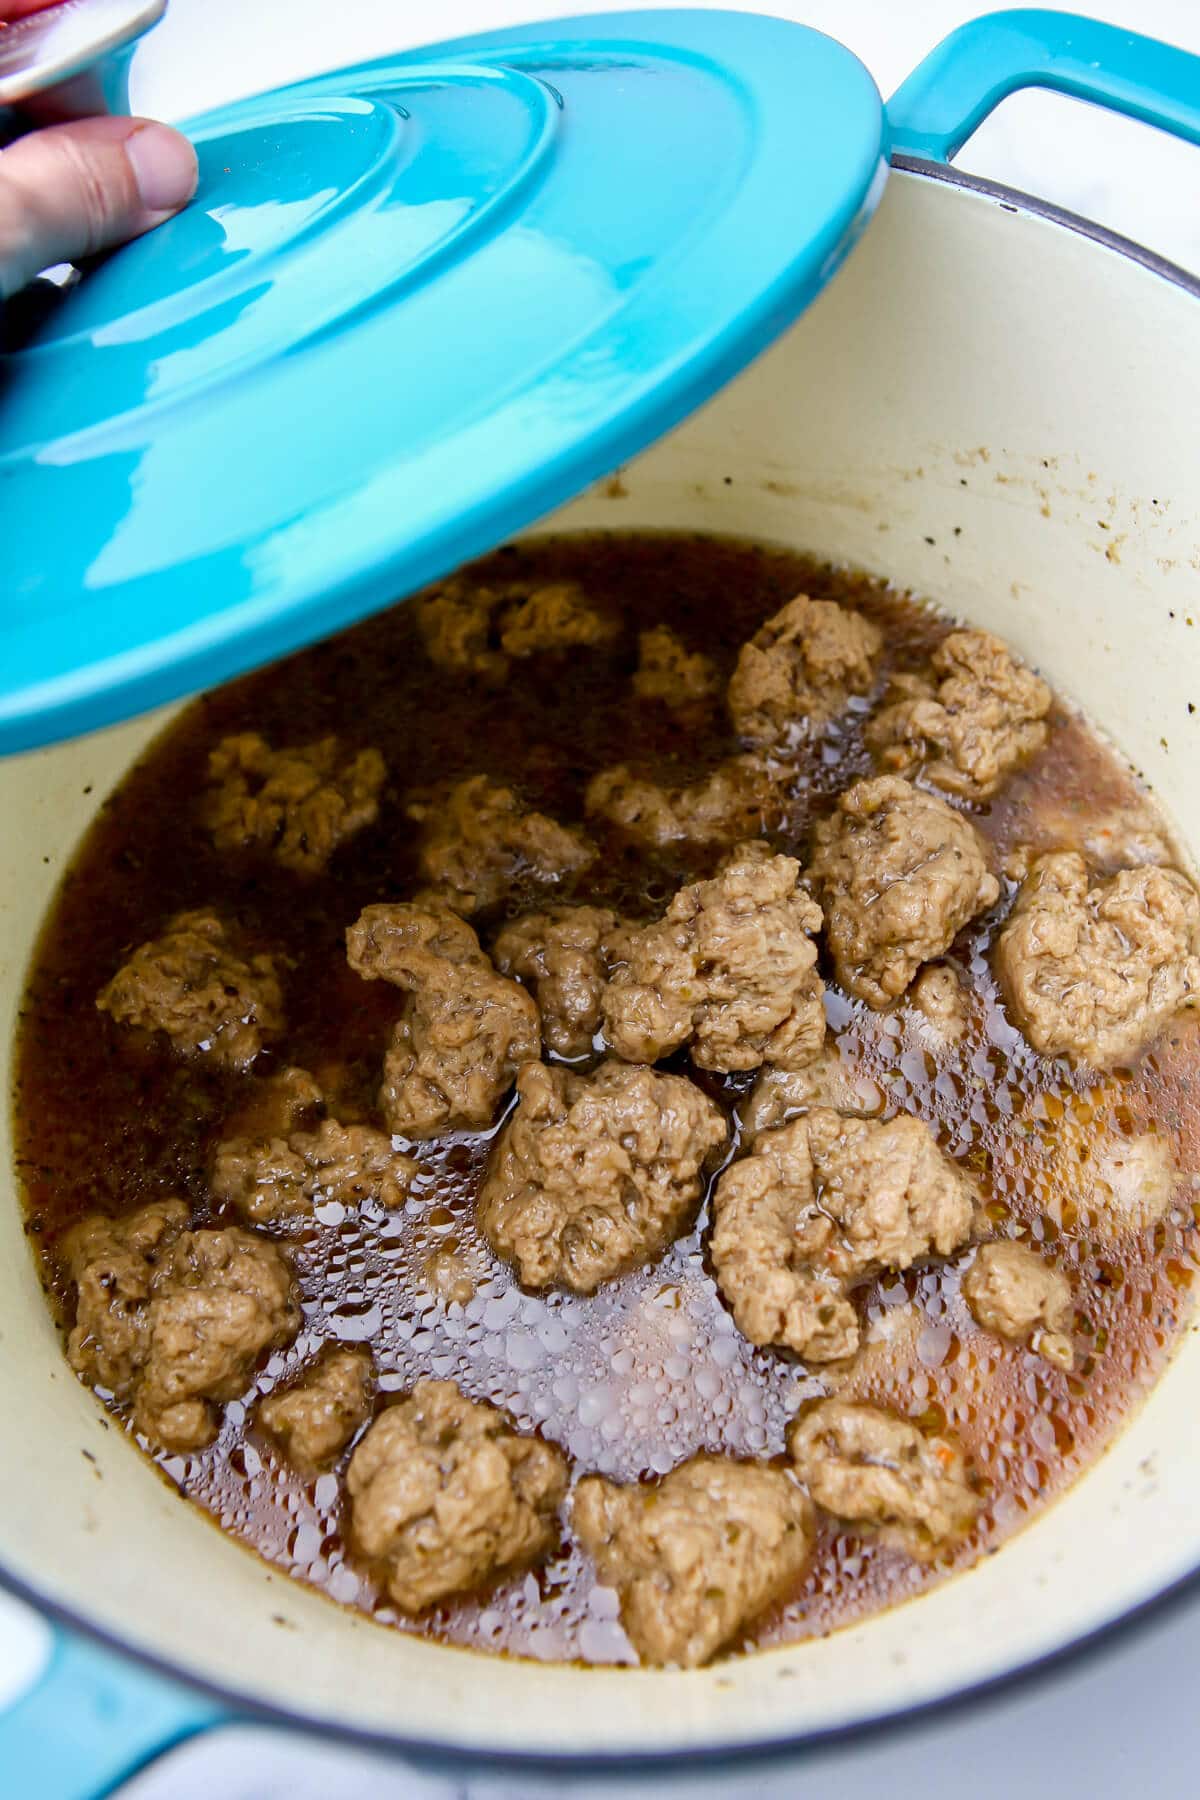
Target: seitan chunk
(446, 1494)
(113, 1264)
(940, 1007)
(819, 1206)
(192, 984)
(877, 1473)
(479, 844)
(455, 622)
(557, 616)
(477, 630)
(737, 800)
(313, 1420)
(1132, 1181)
(979, 716)
(730, 971)
(697, 1556)
(300, 803)
(594, 1174)
(1095, 973)
(464, 1030)
(1014, 1292)
(834, 1079)
(800, 670)
(451, 1276)
(566, 953)
(668, 671)
(173, 1319)
(898, 874)
(283, 1170)
(278, 1104)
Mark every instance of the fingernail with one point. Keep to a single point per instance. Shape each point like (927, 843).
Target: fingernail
(164, 167)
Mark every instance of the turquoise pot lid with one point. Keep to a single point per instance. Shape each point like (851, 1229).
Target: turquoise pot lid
(415, 305)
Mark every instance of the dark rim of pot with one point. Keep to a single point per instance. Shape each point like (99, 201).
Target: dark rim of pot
(734, 1756)
(1013, 200)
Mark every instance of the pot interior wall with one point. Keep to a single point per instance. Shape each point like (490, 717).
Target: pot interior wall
(1001, 414)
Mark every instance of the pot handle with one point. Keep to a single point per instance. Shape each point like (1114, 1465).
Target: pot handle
(93, 1720)
(949, 95)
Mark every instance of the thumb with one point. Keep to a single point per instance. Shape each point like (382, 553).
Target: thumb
(70, 190)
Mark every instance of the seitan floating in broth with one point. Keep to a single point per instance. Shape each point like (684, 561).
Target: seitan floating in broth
(703, 1149)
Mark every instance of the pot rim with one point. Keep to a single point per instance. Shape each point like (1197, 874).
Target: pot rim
(1016, 201)
(439, 1755)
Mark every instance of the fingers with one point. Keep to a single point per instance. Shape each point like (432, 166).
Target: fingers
(71, 190)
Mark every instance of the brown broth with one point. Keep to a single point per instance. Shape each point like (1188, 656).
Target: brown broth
(651, 1368)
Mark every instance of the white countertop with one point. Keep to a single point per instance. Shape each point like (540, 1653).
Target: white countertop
(1124, 1720)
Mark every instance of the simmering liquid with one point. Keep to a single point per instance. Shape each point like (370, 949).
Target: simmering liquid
(650, 1369)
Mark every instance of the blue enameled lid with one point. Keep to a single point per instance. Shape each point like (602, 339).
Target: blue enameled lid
(415, 305)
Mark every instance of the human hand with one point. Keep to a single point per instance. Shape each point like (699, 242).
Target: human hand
(78, 185)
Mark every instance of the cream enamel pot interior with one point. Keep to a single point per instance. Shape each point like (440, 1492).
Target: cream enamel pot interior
(1000, 410)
